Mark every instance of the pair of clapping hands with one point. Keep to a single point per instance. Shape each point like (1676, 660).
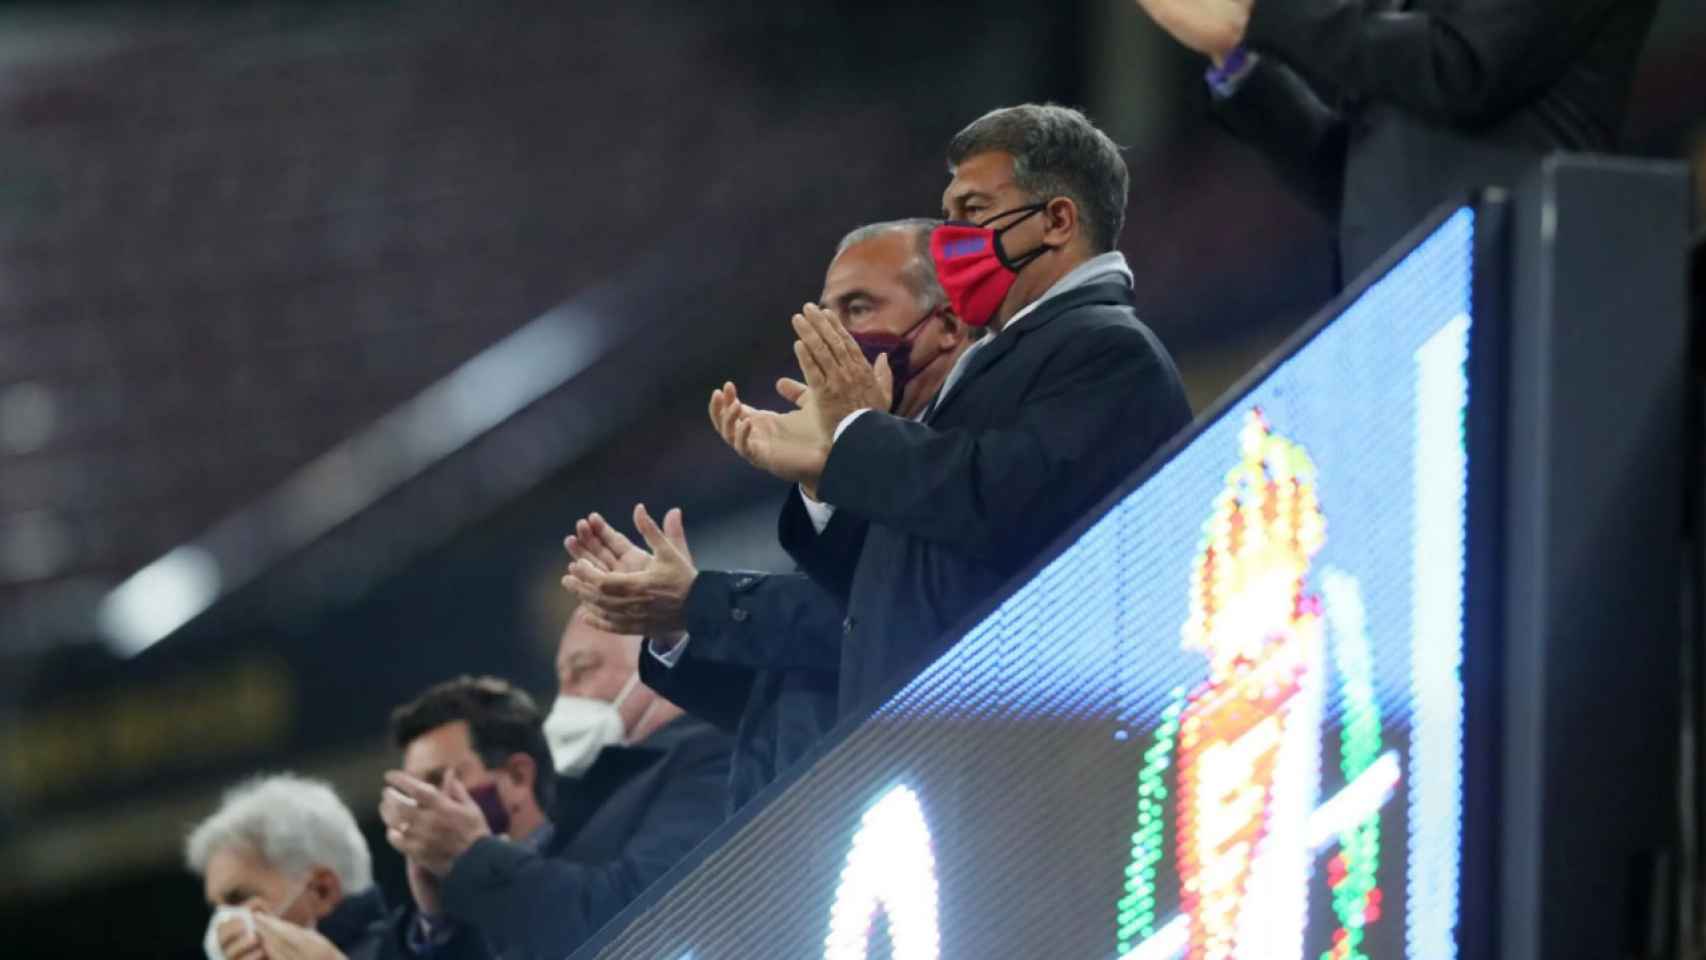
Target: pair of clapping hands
(431, 826)
(629, 590)
(838, 381)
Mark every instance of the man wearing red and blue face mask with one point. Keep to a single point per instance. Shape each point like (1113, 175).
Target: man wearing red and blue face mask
(1031, 427)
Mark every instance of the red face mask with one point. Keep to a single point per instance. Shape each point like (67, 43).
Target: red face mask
(974, 269)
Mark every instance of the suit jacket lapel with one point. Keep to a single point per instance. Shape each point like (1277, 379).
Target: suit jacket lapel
(979, 362)
(987, 356)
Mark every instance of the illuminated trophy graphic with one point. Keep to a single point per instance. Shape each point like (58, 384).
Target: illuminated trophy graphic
(1238, 769)
(1246, 741)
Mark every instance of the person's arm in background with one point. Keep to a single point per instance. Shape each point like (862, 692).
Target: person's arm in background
(541, 908)
(1267, 105)
(1468, 63)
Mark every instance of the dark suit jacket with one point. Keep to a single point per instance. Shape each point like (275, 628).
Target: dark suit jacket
(1045, 420)
(1378, 114)
(761, 665)
(634, 813)
(357, 925)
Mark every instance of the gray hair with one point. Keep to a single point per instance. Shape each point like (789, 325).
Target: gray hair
(294, 823)
(1056, 152)
(919, 275)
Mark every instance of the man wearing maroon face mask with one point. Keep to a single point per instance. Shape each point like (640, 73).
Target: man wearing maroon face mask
(882, 286)
(1031, 427)
(758, 654)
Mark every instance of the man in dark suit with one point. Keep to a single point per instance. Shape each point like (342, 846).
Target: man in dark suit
(506, 860)
(758, 654)
(1377, 111)
(753, 654)
(1033, 426)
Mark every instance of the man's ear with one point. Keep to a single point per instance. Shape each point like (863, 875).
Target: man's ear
(1061, 223)
(325, 891)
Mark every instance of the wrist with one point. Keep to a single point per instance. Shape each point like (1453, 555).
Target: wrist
(814, 470)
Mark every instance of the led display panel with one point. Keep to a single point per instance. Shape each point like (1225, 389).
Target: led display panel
(1226, 720)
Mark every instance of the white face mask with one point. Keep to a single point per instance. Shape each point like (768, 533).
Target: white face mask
(210, 942)
(579, 727)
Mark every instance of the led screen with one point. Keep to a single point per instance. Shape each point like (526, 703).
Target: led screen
(1226, 721)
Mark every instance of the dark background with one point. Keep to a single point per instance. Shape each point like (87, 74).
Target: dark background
(234, 237)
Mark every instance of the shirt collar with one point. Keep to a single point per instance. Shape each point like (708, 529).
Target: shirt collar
(1104, 266)
(540, 838)
(1101, 267)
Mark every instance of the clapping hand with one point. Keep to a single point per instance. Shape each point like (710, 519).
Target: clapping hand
(431, 827)
(791, 446)
(838, 377)
(838, 381)
(628, 590)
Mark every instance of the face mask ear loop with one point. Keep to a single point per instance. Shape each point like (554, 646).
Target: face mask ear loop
(1028, 211)
(616, 704)
(627, 688)
(1017, 263)
(904, 337)
(306, 883)
(1022, 262)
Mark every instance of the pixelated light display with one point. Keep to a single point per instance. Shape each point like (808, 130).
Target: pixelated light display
(1352, 872)
(1261, 644)
(891, 868)
(1137, 907)
(1247, 732)
(1440, 486)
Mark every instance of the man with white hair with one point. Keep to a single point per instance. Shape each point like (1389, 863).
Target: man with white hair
(285, 847)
